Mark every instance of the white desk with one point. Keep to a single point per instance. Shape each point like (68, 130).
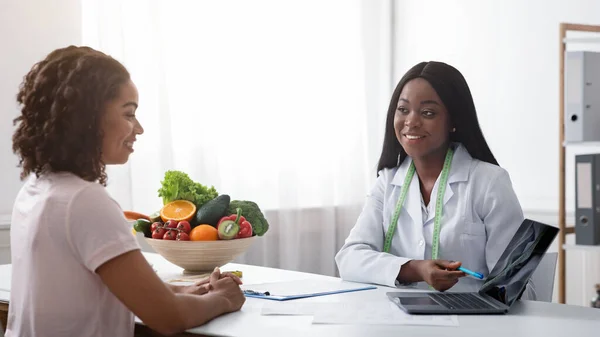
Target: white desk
(526, 318)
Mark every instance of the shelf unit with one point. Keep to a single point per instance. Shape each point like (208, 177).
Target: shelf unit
(582, 247)
(564, 229)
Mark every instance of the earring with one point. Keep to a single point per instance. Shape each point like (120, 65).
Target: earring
(453, 129)
(398, 162)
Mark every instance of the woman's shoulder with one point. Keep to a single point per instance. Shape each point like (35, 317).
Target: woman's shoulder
(485, 170)
(487, 173)
(393, 175)
(70, 182)
(477, 169)
(385, 178)
(82, 198)
(485, 176)
(387, 173)
(67, 188)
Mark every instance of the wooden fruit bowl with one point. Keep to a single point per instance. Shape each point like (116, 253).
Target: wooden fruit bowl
(197, 257)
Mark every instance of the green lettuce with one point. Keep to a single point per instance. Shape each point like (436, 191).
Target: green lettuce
(178, 185)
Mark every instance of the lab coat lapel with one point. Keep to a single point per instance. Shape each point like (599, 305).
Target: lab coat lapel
(412, 204)
(459, 170)
(413, 201)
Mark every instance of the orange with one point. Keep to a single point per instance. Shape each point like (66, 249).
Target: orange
(204, 233)
(178, 210)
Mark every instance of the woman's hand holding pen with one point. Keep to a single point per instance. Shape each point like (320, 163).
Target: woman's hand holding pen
(440, 274)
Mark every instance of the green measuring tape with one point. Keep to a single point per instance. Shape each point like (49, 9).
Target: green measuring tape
(438, 205)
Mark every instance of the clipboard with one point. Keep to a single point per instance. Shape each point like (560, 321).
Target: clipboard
(286, 291)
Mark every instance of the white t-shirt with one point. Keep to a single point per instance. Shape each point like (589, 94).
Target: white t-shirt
(63, 228)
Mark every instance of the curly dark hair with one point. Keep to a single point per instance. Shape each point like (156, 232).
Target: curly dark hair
(62, 101)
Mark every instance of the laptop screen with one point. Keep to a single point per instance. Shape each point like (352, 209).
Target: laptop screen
(507, 281)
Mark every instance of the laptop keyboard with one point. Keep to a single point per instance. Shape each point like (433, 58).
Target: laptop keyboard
(461, 301)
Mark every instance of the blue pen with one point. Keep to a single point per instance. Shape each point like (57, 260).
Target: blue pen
(472, 273)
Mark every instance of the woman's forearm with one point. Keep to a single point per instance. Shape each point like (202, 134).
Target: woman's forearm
(409, 272)
(199, 309)
(174, 288)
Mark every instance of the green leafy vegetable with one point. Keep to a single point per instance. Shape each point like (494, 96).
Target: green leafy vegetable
(178, 185)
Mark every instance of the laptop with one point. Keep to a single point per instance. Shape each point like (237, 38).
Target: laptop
(500, 290)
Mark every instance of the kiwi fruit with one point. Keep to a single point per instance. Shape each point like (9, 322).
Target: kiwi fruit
(228, 230)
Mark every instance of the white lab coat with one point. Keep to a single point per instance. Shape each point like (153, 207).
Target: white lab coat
(480, 215)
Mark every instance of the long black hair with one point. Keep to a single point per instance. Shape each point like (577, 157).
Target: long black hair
(454, 92)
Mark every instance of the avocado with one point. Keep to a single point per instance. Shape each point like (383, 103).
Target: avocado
(143, 226)
(211, 212)
(228, 230)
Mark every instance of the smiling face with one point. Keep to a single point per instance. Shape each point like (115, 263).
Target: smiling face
(421, 121)
(120, 126)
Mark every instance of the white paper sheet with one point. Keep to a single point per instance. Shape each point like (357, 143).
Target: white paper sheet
(253, 305)
(294, 308)
(371, 313)
(378, 313)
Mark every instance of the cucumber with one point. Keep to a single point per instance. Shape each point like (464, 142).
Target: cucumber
(143, 226)
(211, 212)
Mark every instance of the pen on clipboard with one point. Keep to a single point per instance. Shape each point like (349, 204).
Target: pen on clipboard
(252, 292)
(472, 273)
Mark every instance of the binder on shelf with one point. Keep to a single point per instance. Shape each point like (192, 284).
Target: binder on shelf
(587, 199)
(582, 102)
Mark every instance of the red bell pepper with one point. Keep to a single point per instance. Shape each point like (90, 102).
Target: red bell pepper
(245, 226)
(245, 230)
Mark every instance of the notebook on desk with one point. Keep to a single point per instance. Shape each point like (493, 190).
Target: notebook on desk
(284, 291)
(501, 289)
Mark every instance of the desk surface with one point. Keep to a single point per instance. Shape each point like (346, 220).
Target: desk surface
(526, 318)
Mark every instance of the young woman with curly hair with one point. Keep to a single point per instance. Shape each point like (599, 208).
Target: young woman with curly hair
(76, 268)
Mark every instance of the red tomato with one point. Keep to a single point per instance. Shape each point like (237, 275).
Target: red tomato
(184, 226)
(170, 235)
(156, 225)
(158, 233)
(171, 224)
(182, 236)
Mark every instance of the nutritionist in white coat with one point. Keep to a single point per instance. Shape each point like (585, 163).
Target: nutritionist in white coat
(440, 200)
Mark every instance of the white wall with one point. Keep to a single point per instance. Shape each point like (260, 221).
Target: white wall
(29, 30)
(509, 53)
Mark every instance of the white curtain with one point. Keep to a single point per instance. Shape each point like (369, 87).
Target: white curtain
(266, 100)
